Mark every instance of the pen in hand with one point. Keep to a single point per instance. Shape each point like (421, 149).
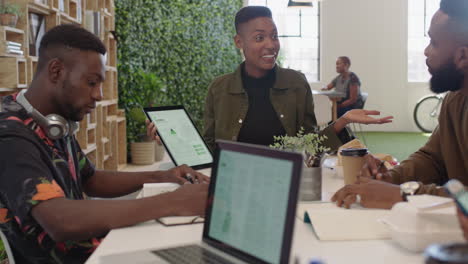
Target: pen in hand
(190, 179)
(379, 174)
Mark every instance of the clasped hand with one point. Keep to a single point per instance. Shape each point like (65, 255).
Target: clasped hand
(179, 175)
(373, 187)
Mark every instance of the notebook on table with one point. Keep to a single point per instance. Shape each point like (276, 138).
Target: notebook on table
(151, 189)
(180, 137)
(250, 210)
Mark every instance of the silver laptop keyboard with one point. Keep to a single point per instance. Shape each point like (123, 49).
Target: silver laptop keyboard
(191, 254)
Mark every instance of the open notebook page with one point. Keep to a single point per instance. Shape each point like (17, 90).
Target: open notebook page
(334, 223)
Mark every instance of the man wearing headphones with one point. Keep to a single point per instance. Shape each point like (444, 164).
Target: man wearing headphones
(44, 175)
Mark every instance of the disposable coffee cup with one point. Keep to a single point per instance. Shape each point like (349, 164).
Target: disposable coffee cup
(352, 160)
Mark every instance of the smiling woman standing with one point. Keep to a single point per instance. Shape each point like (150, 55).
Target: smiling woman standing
(261, 100)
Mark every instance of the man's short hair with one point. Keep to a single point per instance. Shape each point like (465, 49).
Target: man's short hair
(248, 13)
(345, 60)
(455, 9)
(68, 36)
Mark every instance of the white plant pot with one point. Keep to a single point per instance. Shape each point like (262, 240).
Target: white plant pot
(311, 184)
(142, 152)
(159, 152)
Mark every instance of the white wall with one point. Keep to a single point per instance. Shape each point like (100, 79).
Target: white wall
(373, 33)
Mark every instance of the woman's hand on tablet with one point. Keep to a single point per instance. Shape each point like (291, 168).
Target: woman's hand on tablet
(151, 132)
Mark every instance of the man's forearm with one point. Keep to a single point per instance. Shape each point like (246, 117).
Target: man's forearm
(109, 184)
(84, 219)
(340, 124)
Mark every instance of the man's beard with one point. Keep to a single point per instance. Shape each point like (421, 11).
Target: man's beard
(447, 78)
(70, 111)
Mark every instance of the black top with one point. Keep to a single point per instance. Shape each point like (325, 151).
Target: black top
(261, 122)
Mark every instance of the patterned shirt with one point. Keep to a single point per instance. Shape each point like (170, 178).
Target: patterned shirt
(34, 169)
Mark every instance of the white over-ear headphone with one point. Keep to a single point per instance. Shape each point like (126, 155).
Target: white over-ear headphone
(54, 125)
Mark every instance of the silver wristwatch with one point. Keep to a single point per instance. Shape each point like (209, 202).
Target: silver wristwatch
(409, 188)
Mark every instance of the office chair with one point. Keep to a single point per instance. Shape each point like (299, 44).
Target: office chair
(361, 133)
(7, 247)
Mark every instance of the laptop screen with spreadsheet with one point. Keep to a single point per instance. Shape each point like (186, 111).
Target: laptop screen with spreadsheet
(254, 194)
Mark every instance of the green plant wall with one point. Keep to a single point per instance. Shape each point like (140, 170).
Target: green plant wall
(170, 50)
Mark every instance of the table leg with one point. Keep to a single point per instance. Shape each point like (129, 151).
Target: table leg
(334, 109)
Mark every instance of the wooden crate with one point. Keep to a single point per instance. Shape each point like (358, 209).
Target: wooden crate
(112, 162)
(107, 91)
(112, 51)
(122, 142)
(13, 73)
(9, 34)
(31, 67)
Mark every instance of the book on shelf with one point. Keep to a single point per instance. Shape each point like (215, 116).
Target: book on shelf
(17, 52)
(44, 2)
(79, 17)
(13, 44)
(36, 32)
(13, 48)
(92, 22)
(62, 5)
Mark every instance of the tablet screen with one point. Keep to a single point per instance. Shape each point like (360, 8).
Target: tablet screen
(180, 136)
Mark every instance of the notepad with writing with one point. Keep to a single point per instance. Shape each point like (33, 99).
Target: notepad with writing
(151, 189)
(332, 223)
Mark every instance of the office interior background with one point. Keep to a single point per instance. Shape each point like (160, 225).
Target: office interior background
(384, 39)
(168, 51)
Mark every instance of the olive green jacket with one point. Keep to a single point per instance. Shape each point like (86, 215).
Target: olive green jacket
(227, 104)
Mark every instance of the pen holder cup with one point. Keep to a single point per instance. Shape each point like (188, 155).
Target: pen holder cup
(159, 152)
(311, 184)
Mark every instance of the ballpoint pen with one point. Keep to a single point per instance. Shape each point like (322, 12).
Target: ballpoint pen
(189, 177)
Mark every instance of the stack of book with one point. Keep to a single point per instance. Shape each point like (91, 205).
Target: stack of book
(14, 48)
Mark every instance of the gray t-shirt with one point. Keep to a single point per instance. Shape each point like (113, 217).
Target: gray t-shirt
(343, 85)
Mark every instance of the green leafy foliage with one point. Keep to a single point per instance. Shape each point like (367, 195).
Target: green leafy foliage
(10, 9)
(169, 52)
(310, 145)
(2, 251)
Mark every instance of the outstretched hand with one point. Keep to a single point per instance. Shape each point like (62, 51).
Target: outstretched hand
(364, 117)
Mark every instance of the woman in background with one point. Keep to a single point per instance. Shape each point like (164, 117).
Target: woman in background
(348, 83)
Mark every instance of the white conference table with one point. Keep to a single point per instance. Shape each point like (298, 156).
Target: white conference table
(334, 97)
(152, 235)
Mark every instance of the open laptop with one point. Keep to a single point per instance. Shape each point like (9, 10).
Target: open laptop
(180, 137)
(250, 210)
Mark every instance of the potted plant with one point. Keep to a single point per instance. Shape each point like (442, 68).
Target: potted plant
(142, 149)
(145, 89)
(9, 14)
(312, 148)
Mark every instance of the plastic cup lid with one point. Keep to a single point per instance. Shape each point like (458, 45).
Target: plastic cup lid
(455, 253)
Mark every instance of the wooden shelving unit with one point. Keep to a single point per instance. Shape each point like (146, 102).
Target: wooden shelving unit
(102, 133)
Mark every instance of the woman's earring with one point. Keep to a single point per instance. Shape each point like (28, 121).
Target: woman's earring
(242, 53)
